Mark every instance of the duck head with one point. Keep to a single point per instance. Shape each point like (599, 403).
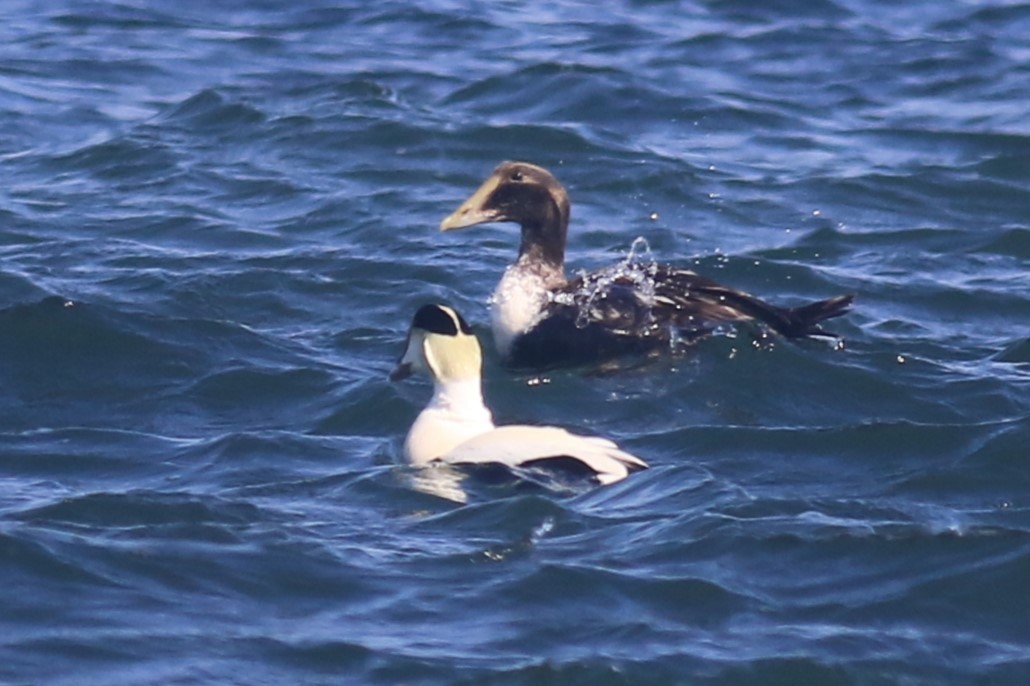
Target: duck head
(525, 194)
(440, 344)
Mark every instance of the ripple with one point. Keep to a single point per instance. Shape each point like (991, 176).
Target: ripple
(215, 222)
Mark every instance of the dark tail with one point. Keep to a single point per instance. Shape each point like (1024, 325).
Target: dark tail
(804, 321)
(694, 298)
(791, 322)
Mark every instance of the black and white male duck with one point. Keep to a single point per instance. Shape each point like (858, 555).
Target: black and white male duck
(457, 428)
(543, 319)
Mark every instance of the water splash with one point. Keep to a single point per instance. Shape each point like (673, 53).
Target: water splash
(636, 270)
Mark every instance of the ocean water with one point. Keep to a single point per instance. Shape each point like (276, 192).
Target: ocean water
(216, 219)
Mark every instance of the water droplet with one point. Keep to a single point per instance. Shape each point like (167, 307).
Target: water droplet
(542, 530)
(637, 269)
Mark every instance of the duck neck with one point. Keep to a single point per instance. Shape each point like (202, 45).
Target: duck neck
(543, 241)
(461, 399)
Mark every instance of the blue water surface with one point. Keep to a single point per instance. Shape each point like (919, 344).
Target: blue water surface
(216, 219)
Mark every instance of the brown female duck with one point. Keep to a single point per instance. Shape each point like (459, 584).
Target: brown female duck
(543, 319)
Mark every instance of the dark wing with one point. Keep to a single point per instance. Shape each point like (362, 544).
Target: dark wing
(690, 300)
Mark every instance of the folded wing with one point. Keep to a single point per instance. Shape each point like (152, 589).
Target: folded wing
(517, 446)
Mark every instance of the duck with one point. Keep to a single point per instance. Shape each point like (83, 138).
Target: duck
(457, 428)
(541, 318)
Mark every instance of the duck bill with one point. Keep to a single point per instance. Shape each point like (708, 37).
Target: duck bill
(402, 371)
(475, 210)
(409, 362)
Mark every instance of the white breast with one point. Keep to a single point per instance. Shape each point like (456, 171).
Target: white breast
(455, 414)
(517, 305)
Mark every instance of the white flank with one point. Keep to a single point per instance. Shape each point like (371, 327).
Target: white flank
(515, 445)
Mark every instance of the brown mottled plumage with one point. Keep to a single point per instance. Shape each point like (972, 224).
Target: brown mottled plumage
(543, 319)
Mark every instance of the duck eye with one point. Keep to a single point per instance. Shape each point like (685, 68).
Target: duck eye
(516, 176)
